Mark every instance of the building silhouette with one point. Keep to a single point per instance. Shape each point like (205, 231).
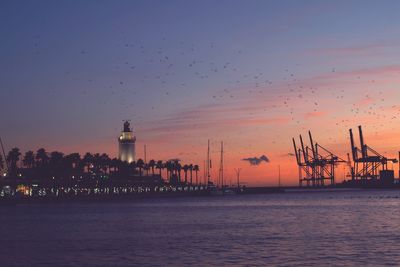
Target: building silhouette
(126, 143)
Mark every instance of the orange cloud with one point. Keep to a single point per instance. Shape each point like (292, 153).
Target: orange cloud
(362, 49)
(314, 114)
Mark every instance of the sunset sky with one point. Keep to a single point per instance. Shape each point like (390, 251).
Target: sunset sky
(253, 74)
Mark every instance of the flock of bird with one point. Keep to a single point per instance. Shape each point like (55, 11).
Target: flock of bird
(172, 75)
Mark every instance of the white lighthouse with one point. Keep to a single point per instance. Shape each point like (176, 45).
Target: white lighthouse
(126, 142)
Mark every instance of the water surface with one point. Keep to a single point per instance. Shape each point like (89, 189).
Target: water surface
(302, 229)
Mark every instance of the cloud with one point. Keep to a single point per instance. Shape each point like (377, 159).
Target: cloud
(314, 114)
(371, 48)
(349, 76)
(212, 117)
(255, 161)
(361, 49)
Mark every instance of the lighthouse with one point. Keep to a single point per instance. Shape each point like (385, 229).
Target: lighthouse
(126, 143)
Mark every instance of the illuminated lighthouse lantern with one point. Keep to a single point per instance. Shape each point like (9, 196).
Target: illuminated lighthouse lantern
(126, 143)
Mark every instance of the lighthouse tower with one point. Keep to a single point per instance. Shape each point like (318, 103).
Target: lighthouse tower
(126, 142)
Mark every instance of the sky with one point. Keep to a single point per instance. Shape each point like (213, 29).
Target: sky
(252, 74)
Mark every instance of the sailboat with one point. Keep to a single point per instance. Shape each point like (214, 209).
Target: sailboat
(212, 189)
(221, 189)
(224, 188)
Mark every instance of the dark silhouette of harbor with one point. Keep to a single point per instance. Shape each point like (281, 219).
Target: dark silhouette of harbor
(43, 176)
(55, 175)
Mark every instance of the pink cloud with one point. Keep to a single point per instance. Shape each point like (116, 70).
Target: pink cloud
(314, 114)
(368, 49)
(365, 101)
(353, 76)
(351, 50)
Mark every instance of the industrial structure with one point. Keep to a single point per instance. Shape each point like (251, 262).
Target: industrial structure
(126, 143)
(316, 163)
(368, 164)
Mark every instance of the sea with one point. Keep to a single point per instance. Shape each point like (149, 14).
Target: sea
(345, 228)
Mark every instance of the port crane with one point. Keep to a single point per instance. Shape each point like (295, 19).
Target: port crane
(368, 164)
(316, 163)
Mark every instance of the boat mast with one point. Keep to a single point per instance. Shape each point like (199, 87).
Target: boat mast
(145, 154)
(221, 166)
(205, 173)
(279, 175)
(4, 155)
(237, 170)
(208, 162)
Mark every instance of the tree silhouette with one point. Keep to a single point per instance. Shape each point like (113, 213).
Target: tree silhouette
(29, 159)
(185, 170)
(196, 170)
(73, 160)
(56, 171)
(191, 173)
(169, 165)
(13, 158)
(88, 160)
(178, 169)
(42, 157)
(152, 165)
(140, 165)
(160, 166)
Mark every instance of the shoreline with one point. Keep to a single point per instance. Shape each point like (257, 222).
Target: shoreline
(23, 200)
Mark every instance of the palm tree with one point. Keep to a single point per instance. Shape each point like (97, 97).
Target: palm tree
(96, 161)
(178, 169)
(73, 160)
(191, 173)
(105, 162)
(56, 162)
(140, 165)
(132, 166)
(160, 166)
(41, 157)
(56, 157)
(55, 168)
(146, 168)
(120, 164)
(13, 158)
(88, 160)
(115, 164)
(152, 164)
(73, 166)
(185, 170)
(169, 165)
(29, 159)
(196, 170)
